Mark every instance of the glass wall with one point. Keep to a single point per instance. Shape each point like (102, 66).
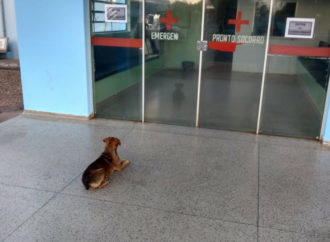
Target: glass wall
(117, 50)
(233, 62)
(172, 30)
(298, 69)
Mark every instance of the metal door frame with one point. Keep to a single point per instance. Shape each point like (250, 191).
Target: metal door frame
(263, 72)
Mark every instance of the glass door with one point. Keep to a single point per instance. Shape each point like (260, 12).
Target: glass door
(232, 67)
(117, 52)
(298, 69)
(172, 28)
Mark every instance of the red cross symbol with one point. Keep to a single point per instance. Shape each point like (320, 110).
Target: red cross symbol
(169, 20)
(238, 22)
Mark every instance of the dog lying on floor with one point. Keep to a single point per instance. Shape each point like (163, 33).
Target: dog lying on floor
(97, 174)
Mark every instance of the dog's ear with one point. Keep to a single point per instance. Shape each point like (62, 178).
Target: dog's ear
(106, 140)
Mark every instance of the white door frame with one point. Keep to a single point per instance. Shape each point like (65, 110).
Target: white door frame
(261, 97)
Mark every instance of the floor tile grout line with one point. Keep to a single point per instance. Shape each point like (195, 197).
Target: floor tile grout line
(252, 135)
(158, 209)
(72, 180)
(135, 127)
(185, 214)
(113, 123)
(29, 188)
(55, 194)
(196, 135)
(258, 204)
(258, 189)
(320, 148)
(256, 141)
(293, 232)
(27, 219)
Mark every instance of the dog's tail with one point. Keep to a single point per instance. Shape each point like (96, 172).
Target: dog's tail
(86, 186)
(85, 182)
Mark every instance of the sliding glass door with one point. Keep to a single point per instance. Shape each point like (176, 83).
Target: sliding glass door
(235, 31)
(171, 60)
(298, 68)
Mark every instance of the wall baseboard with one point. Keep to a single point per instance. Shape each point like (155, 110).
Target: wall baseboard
(327, 143)
(58, 115)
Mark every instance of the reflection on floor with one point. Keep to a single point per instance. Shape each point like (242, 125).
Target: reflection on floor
(229, 100)
(171, 97)
(288, 108)
(125, 105)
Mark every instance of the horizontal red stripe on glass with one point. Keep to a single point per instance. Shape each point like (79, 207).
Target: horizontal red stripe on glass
(117, 42)
(299, 50)
(223, 46)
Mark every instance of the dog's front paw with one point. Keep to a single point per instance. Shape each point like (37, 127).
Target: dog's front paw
(124, 163)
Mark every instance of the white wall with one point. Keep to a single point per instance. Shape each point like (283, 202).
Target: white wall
(8, 28)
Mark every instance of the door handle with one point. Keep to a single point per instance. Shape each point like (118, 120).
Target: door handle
(201, 45)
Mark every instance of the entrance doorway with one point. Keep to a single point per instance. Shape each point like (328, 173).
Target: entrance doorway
(232, 65)
(223, 64)
(172, 61)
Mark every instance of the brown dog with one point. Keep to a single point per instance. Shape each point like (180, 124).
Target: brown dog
(97, 174)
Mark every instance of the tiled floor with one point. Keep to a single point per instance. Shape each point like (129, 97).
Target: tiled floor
(184, 184)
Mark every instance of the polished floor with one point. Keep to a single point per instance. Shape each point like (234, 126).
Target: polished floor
(229, 101)
(183, 184)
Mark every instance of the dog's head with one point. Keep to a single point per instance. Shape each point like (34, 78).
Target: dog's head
(112, 142)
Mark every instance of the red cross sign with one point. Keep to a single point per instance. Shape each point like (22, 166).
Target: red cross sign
(169, 20)
(238, 22)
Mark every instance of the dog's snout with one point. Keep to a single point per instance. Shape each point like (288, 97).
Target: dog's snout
(112, 140)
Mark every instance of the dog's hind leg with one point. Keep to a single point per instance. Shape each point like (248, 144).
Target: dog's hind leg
(96, 182)
(104, 183)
